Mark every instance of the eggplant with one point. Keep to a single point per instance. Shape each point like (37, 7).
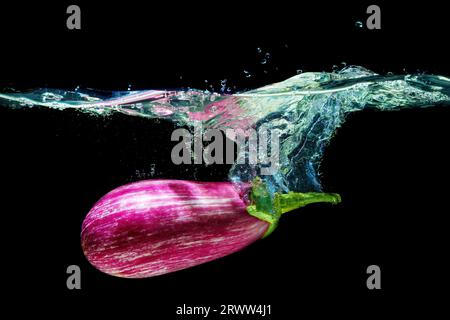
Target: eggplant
(153, 227)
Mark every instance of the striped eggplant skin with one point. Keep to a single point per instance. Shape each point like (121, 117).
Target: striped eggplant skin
(153, 227)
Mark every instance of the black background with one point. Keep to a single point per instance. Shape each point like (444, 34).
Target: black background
(390, 168)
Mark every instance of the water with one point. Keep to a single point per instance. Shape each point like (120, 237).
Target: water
(306, 109)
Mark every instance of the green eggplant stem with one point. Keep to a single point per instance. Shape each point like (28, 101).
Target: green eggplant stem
(269, 209)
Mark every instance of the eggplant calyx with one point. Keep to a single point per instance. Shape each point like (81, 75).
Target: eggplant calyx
(267, 208)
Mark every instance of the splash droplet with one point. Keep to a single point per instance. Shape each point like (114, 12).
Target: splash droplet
(223, 85)
(152, 169)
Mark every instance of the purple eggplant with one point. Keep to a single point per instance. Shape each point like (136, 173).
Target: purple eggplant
(153, 227)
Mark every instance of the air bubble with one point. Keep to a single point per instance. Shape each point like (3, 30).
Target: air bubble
(223, 85)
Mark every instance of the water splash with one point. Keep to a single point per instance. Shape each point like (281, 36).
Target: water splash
(306, 109)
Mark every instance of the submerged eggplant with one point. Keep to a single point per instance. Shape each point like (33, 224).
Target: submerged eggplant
(153, 227)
